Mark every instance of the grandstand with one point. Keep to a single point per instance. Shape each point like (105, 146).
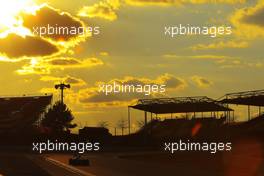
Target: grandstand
(179, 105)
(203, 104)
(21, 112)
(253, 98)
(247, 98)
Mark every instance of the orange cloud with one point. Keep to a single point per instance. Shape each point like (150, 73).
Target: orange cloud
(91, 97)
(107, 9)
(221, 60)
(199, 57)
(45, 66)
(68, 79)
(249, 21)
(47, 16)
(221, 45)
(104, 9)
(179, 2)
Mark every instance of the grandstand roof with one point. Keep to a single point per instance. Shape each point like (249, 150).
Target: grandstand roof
(254, 98)
(12, 103)
(19, 112)
(179, 105)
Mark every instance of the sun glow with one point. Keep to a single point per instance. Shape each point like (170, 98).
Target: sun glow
(10, 20)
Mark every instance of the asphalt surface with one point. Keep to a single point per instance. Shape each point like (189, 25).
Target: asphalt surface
(20, 164)
(245, 159)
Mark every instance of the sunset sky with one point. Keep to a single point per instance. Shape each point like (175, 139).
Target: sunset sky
(131, 47)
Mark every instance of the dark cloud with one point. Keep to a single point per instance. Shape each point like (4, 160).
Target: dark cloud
(202, 82)
(89, 96)
(68, 79)
(255, 17)
(74, 81)
(15, 46)
(173, 82)
(73, 62)
(95, 98)
(46, 66)
(48, 16)
(64, 61)
(98, 98)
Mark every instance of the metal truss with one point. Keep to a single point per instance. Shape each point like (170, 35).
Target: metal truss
(245, 94)
(176, 100)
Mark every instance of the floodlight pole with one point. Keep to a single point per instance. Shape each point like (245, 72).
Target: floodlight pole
(62, 86)
(62, 95)
(129, 123)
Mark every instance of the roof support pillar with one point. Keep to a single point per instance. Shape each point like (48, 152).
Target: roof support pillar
(248, 112)
(228, 114)
(146, 118)
(128, 116)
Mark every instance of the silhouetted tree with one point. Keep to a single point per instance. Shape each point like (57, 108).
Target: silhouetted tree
(103, 124)
(122, 124)
(58, 118)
